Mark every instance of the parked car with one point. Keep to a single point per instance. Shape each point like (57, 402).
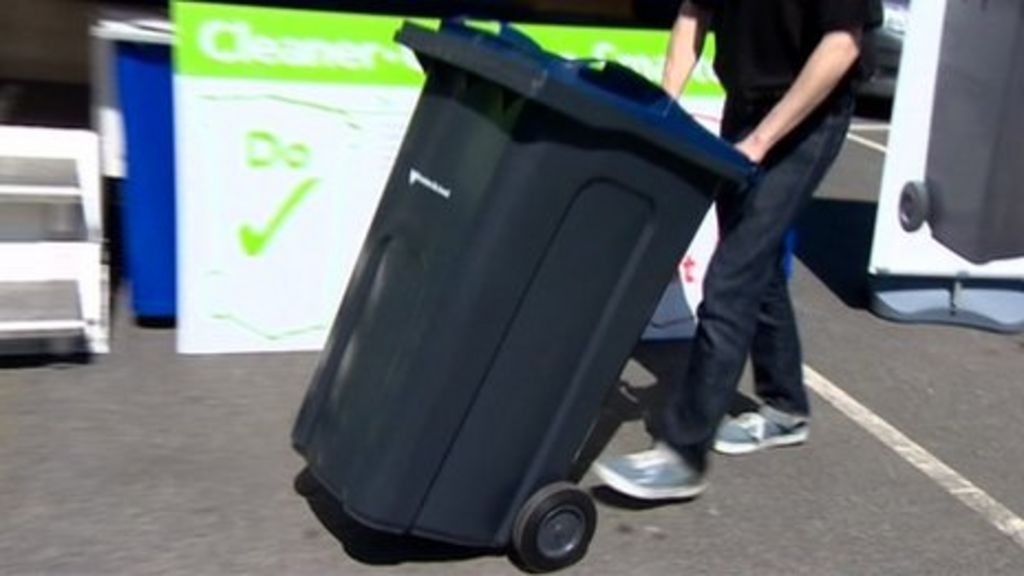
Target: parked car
(886, 43)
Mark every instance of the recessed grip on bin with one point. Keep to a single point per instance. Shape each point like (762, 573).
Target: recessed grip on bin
(662, 115)
(461, 46)
(507, 34)
(625, 82)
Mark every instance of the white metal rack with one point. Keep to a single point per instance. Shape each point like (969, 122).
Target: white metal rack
(53, 283)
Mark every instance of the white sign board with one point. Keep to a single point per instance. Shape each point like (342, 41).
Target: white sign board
(287, 126)
(948, 245)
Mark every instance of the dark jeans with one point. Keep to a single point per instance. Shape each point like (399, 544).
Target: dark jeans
(746, 307)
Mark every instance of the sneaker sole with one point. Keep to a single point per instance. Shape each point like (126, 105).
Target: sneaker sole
(622, 485)
(738, 449)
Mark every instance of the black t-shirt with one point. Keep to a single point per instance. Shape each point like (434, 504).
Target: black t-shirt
(761, 45)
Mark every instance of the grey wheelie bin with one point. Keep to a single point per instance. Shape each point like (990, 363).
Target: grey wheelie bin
(533, 217)
(971, 196)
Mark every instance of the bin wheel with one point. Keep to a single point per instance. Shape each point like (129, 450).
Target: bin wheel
(914, 206)
(554, 528)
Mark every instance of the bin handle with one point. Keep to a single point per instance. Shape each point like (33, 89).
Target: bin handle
(507, 34)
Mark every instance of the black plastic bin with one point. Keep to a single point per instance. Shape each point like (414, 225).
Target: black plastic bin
(534, 215)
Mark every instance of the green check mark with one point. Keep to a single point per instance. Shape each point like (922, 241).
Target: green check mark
(255, 241)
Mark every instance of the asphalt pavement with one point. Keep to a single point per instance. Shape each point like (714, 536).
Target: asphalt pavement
(146, 462)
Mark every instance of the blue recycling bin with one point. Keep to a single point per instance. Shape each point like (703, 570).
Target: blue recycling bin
(791, 241)
(147, 196)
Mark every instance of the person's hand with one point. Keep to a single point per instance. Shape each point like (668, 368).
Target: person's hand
(753, 148)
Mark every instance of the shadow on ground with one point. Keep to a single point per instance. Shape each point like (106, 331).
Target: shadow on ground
(641, 397)
(374, 547)
(834, 242)
(874, 108)
(38, 355)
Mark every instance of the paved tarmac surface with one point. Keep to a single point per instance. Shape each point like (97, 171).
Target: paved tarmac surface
(145, 462)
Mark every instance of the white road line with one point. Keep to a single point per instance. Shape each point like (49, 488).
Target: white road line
(870, 127)
(869, 143)
(959, 487)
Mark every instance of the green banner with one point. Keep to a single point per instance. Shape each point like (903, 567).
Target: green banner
(224, 41)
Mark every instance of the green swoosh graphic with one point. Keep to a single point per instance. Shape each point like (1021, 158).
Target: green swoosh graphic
(272, 336)
(286, 100)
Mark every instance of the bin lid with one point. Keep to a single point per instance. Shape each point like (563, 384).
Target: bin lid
(603, 95)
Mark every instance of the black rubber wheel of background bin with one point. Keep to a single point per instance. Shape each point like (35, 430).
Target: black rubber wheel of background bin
(914, 206)
(554, 528)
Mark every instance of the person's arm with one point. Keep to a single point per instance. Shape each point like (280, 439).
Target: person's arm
(828, 64)
(684, 47)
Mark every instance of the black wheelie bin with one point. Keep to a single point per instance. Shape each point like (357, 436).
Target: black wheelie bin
(534, 215)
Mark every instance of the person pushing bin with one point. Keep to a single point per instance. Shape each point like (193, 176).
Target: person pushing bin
(534, 215)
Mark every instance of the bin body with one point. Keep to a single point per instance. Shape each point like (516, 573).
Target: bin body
(147, 196)
(514, 260)
(975, 167)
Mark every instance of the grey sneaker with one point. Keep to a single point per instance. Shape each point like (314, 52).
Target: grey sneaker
(766, 428)
(656, 474)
